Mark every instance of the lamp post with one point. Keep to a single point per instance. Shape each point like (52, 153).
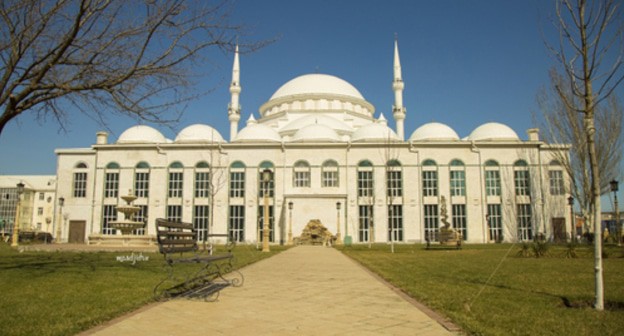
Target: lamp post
(290, 207)
(572, 229)
(59, 224)
(618, 228)
(15, 238)
(338, 240)
(266, 178)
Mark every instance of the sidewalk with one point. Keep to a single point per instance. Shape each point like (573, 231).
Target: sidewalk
(305, 290)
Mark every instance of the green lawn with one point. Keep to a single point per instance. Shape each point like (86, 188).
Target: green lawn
(524, 296)
(63, 293)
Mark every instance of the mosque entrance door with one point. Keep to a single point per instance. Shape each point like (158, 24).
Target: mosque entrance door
(558, 229)
(77, 232)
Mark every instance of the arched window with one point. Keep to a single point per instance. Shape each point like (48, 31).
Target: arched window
(301, 174)
(141, 179)
(457, 178)
(492, 178)
(202, 180)
(263, 187)
(394, 179)
(80, 180)
(555, 177)
(80, 165)
(329, 174)
(237, 179)
(111, 180)
(176, 180)
(430, 178)
(522, 178)
(365, 179)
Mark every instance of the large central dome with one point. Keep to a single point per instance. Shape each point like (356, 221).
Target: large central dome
(317, 84)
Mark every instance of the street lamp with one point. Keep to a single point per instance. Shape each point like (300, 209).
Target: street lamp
(572, 224)
(338, 240)
(290, 207)
(614, 188)
(266, 178)
(59, 224)
(15, 238)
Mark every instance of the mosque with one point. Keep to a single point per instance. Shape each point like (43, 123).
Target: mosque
(318, 153)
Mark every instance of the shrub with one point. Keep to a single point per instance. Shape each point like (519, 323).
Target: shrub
(540, 248)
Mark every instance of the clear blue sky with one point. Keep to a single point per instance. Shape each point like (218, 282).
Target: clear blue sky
(464, 63)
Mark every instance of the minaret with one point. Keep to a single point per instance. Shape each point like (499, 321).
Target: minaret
(398, 110)
(234, 108)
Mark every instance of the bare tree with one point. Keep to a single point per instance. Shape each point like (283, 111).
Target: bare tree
(588, 33)
(562, 124)
(105, 56)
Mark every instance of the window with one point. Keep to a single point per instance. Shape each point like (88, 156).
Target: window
(40, 211)
(141, 216)
(525, 225)
(395, 223)
(109, 214)
(237, 223)
(459, 219)
(141, 179)
(41, 196)
(457, 178)
(492, 178)
(556, 182)
(80, 185)
(264, 187)
(366, 222)
(174, 213)
(329, 174)
(301, 174)
(237, 179)
(522, 178)
(430, 178)
(394, 179)
(111, 185)
(431, 220)
(202, 180)
(261, 223)
(176, 179)
(365, 179)
(495, 222)
(201, 219)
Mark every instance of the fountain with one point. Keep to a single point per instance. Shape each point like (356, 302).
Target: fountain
(127, 225)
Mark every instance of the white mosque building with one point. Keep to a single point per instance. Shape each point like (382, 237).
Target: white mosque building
(330, 160)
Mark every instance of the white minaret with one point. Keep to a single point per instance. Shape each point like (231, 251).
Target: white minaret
(398, 110)
(234, 108)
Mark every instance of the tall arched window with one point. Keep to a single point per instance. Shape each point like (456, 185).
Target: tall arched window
(329, 174)
(555, 177)
(202, 180)
(263, 187)
(237, 179)
(458, 178)
(522, 178)
(176, 179)
(430, 178)
(141, 179)
(492, 178)
(394, 179)
(365, 179)
(301, 174)
(111, 180)
(80, 180)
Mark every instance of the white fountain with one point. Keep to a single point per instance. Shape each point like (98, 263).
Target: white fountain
(126, 226)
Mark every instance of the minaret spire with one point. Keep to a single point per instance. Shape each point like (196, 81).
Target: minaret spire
(398, 110)
(234, 108)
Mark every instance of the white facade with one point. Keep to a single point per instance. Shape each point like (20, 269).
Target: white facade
(319, 137)
(37, 207)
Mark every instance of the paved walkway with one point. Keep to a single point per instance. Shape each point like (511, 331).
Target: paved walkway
(303, 291)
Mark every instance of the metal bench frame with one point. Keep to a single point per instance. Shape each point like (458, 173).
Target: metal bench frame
(177, 242)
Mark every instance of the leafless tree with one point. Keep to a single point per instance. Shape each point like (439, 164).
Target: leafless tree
(561, 124)
(131, 58)
(590, 52)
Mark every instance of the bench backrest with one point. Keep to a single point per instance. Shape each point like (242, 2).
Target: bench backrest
(174, 237)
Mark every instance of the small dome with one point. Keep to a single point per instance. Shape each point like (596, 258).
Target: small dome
(434, 131)
(199, 133)
(493, 131)
(320, 119)
(375, 132)
(317, 84)
(141, 134)
(255, 132)
(316, 133)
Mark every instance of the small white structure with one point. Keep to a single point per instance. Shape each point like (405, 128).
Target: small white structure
(332, 161)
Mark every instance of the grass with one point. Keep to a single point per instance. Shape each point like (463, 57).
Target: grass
(63, 293)
(552, 295)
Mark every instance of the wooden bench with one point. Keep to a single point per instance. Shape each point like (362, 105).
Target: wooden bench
(177, 242)
(435, 236)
